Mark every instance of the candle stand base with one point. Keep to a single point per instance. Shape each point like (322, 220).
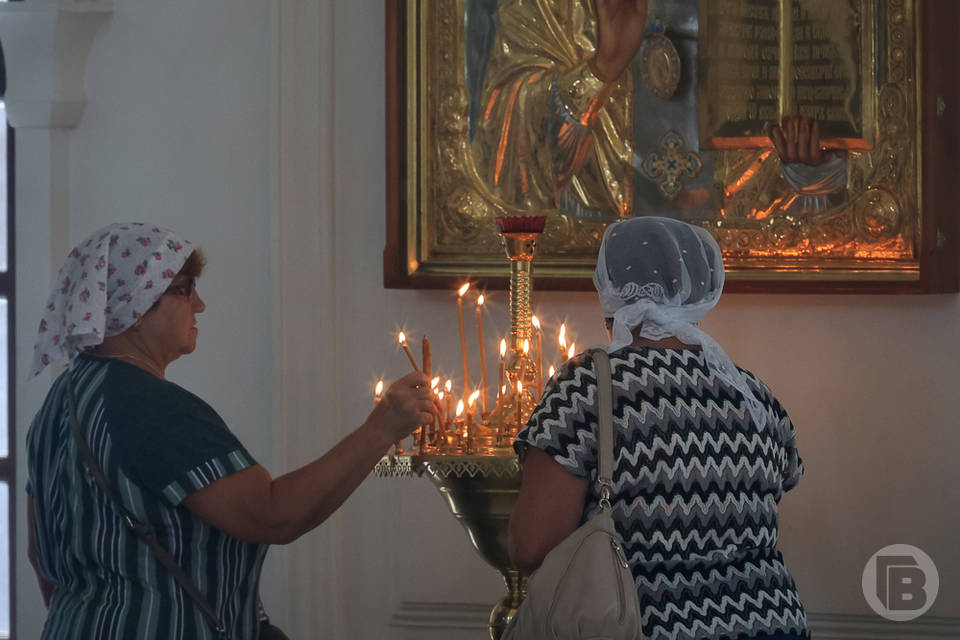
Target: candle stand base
(480, 491)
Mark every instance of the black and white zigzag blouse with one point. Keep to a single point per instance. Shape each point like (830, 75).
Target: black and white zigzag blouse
(696, 490)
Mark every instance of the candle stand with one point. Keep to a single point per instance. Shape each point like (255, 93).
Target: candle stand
(469, 457)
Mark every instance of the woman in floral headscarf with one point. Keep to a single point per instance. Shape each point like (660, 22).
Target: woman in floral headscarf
(123, 308)
(703, 450)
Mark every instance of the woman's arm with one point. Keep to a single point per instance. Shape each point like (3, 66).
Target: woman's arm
(252, 506)
(548, 509)
(46, 588)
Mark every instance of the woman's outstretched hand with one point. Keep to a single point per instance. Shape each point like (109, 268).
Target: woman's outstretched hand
(620, 27)
(406, 404)
(250, 505)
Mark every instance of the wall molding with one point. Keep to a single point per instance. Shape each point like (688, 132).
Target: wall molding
(455, 620)
(307, 344)
(46, 44)
(854, 626)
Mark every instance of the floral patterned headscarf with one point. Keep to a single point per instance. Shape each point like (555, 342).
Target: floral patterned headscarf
(106, 284)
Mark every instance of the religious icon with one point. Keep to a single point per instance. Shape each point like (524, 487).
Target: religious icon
(525, 126)
(540, 91)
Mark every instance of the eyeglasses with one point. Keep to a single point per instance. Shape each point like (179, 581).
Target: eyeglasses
(185, 289)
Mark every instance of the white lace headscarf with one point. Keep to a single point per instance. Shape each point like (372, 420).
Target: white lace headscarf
(663, 275)
(106, 284)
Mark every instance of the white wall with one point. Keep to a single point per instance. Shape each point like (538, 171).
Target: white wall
(180, 129)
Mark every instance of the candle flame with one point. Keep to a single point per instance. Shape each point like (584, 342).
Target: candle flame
(563, 341)
(440, 395)
(448, 386)
(551, 372)
(463, 289)
(459, 407)
(503, 390)
(473, 397)
(536, 322)
(526, 347)
(573, 350)
(480, 300)
(402, 337)
(379, 388)
(435, 382)
(503, 348)
(563, 330)
(519, 387)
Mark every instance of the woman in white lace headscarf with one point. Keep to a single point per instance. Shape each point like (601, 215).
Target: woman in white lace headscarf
(703, 450)
(656, 279)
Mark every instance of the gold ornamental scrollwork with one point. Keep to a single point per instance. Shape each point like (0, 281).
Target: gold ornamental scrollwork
(474, 467)
(441, 466)
(883, 184)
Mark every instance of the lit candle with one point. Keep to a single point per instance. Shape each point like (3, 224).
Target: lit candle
(473, 399)
(440, 397)
(436, 432)
(427, 356)
(551, 371)
(448, 387)
(562, 339)
(573, 350)
(503, 353)
(519, 404)
(523, 361)
(463, 337)
(423, 438)
(483, 357)
(536, 325)
(462, 434)
(402, 339)
(377, 393)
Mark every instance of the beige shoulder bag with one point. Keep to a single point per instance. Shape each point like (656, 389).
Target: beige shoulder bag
(584, 589)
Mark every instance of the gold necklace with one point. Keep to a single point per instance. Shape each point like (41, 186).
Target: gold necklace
(150, 365)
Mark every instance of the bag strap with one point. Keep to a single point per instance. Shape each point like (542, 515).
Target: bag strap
(142, 531)
(601, 365)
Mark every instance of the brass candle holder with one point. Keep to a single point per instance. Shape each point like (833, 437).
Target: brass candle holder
(471, 461)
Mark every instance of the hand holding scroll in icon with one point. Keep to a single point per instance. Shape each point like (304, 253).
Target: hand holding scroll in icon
(797, 140)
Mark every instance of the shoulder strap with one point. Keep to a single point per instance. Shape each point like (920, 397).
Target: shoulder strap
(131, 522)
(601, 365)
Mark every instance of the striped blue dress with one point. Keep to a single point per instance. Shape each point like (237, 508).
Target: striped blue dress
(696, 487)
(156, 443)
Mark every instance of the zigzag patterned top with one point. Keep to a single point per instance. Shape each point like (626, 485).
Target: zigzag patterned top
(696, 490)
